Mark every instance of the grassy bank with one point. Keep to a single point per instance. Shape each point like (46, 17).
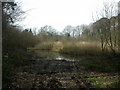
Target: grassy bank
(101, 80)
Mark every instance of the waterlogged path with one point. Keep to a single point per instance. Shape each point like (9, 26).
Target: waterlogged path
(56, 72)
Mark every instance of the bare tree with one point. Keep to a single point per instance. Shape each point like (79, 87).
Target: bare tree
(119, 26)
(11, 13)
(106, 26)
(68, 30)
(78, 31)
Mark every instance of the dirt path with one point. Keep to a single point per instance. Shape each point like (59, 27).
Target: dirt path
(46, 73)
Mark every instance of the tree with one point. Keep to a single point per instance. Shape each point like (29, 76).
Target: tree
(73, 29)
(119, 33)
(85, 32)
(68, 30)
(106, 27)
(118, 42)
(11, 13)
(78, 31)
(14, 42)
(102, 27)
(47, 33)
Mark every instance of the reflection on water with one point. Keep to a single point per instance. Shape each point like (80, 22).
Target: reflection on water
(48, 54)
(54, 55)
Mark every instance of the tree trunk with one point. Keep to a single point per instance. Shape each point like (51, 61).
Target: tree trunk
(119, 33)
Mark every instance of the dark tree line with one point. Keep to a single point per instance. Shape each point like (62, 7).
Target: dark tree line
(14, 41)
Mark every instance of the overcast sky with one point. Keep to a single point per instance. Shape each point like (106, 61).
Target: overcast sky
(59, 13)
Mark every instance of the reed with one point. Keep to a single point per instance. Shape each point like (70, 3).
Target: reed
(82, 48)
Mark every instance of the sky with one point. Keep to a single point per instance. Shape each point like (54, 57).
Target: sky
(59, 13)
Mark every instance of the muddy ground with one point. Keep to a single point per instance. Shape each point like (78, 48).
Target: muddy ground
(51, 73)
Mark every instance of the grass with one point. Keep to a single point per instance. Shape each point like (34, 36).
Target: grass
(100, 63)
(101, 80)
(57, 46)
(53, 46)
(44, 46)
